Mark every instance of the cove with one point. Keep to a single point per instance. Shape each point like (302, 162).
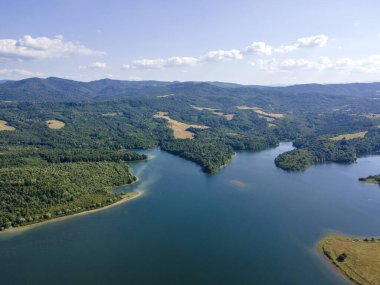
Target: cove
(250, 223)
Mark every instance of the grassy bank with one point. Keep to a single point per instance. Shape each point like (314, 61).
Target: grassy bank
(357, 258)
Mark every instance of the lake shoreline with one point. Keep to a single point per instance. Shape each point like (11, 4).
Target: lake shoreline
(128, 197)
(337, 262)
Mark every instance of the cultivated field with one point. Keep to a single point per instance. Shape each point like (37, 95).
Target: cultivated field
(349, 136)
(180, 130)
(358, 259)
(111, 114)
(259, 111)
(5, 127)
(55, 124)
(217, 112)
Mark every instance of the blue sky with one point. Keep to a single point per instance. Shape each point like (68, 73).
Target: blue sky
(250, 42)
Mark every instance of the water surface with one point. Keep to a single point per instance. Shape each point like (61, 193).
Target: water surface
(251, 223)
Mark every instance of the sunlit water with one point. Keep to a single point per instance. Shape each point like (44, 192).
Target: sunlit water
(251, 223)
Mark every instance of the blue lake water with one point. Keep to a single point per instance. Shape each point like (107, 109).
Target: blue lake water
(250, 223)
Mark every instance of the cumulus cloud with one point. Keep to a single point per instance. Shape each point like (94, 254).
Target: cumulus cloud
(18, 74)
(161, 63)
(258, 48)
(42, 47)
(94, 65)
(98, 65)
(218, 55)
(305, 42)
(370, 64)
(185, 61)
(314, 41)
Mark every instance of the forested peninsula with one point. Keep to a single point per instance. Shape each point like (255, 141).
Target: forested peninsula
(64, 145)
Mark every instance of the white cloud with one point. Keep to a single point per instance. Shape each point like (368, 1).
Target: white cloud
(18, 74)
(218, 55)
(161, 63)
(98, 64)
(42, 47)
(370, 64)
(94, 65)
(305, 42)
(258, 48)
(255, 48)
(286, 48)
(314, 41)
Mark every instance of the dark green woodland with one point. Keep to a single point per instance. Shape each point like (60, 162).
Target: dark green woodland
(46, 172)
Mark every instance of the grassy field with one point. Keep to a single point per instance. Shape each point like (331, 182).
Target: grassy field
(357, 258)
(5, 127)
(259, 111)
(349, 136)
(55, 124)
(179, 129)
(217, 112)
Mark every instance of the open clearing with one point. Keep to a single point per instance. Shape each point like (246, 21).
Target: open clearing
(217, 112)
(5, 127)
(55, 124)
(179, 129)
(357, 258)
(259, 111)
(349, 136)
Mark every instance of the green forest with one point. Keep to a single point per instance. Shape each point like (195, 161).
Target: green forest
(47, 172)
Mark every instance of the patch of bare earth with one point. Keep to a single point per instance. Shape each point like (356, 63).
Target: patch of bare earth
(5, 127)
(217, 112)
(262, 113)
(180, 130)
(55, 124)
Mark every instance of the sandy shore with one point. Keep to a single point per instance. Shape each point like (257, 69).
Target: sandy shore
(134, 195)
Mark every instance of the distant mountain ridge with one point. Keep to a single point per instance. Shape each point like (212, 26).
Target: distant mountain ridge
(55, 89)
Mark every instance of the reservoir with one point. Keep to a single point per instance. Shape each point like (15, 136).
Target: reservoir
(250, 223)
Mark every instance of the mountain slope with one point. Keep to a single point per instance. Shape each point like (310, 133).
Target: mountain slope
(54, 89)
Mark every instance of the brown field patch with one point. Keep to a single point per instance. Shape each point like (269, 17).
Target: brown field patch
(229, 117)
(111, 114)
(259, 111)
(349, 136)
(204, 108)
(214, 111)
(55, 124)
(180, 130)
(357, 258)
(5, 127)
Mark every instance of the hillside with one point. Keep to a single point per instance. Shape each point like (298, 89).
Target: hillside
(54, 89)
